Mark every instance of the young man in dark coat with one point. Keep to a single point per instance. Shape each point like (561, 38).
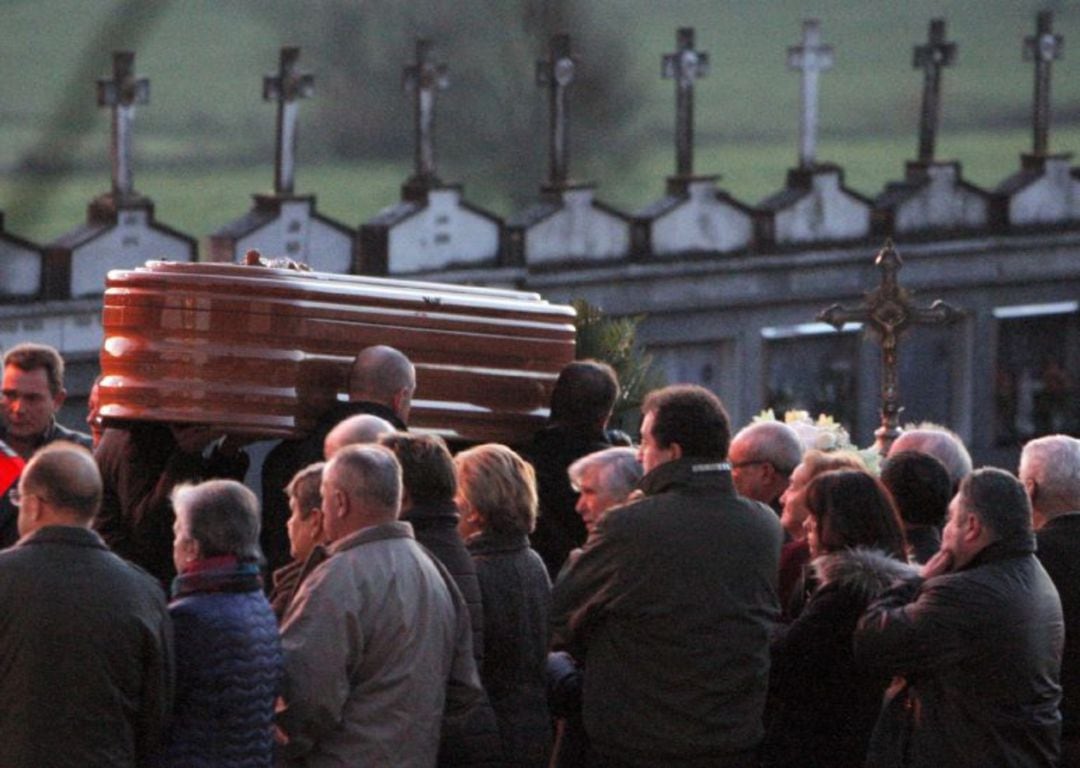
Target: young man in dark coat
(86, 670)
(975, 642)
(581, 405)
(670, 605)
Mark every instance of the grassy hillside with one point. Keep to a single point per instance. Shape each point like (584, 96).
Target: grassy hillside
(204, 141)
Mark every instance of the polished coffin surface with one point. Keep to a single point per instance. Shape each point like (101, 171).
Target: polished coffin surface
(264, 351)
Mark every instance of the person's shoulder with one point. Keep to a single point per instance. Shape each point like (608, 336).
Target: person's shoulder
(60, 432)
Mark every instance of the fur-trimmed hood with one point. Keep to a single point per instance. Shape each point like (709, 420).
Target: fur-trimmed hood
(869, 571)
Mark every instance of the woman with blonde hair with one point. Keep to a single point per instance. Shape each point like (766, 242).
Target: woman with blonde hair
(497, 501)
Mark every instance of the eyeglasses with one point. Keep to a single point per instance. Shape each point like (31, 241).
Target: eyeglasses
(15, 497)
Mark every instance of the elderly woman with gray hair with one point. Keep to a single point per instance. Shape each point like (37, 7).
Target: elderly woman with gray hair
(228, 655)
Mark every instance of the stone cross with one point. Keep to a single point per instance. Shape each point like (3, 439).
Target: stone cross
(1043, 48)
(811, 58)
(424, 79)
(888, 313)
(121, 94)
(931, 58)
(557, 73)
(287, 87)
(685, 66)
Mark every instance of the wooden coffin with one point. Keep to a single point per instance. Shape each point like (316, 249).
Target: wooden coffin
(263, 351)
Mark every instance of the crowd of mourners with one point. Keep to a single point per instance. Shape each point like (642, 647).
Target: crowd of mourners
(700, 599)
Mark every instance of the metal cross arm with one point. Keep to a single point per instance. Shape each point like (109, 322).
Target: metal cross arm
(685, 66)
(556, 74)
(811, 58)
(287, 87)
(887, 313)
(1043, 49)
(122, 94)
(424, 79)
(937, 54)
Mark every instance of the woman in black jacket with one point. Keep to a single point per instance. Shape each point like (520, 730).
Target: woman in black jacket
(497, 499)
(822, 706)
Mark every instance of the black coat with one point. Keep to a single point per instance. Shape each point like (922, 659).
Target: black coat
(140, 467)
(86, 661)
(517, 602)
(435, 527)
(669, 608)
(822, 704)
(978, 652)
(1059, 553)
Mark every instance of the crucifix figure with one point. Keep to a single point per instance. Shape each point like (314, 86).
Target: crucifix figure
(1043, 48)
(424, 79)
(811, 58)
(121, 94)
(685, 66)
(287, 87)
(557, 73)
(888, 313)
(932, 58)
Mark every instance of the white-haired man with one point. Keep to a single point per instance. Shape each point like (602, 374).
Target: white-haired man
(377, 640)
(1050, 472)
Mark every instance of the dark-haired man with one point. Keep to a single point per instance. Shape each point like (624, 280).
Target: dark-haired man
(32, 393)
(672, 600)
(581, 405)
(86, 642)
(976, 642)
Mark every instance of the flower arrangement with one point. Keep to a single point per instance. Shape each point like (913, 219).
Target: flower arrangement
(824, 434)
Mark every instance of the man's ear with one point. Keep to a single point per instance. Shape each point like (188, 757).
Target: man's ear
(59, 398)
(973, 527)
(676, 451)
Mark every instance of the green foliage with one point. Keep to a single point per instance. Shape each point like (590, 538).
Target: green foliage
(613, 340)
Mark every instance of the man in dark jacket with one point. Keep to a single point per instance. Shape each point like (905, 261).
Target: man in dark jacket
(977, 641)
(581, 405)
(86, 670)
(381, 382)
(670, 605)
(1050, 472)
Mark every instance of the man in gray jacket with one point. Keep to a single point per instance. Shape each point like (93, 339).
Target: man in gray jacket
(377, 640)
(671, 603)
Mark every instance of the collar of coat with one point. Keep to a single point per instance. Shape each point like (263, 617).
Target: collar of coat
(490, 542)
(71, 535)
(865, 570)
(685, 472)
(397, 529)
(1018, 545)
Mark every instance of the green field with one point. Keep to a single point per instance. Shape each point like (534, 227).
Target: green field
(203, 144)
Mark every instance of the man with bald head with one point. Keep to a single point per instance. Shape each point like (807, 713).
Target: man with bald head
(356, 430)
(376, 628)
(941, 443)
(763, 455)
(381, 383)
(86, 643)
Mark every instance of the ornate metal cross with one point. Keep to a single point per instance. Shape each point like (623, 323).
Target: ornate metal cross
(122, 93)
(811, 58)
(931, 58)
(1043, 48)
(685, 66)
(888, 313)
(424, 80)
(287, 87)
(557, 73)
